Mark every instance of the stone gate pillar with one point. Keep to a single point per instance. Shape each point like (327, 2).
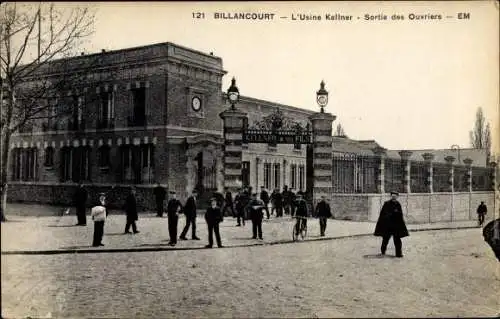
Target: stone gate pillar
(428, 158)
(493, 175)
(322, 154)
(233, 137)
(451, 173)
(468, 165)
(380, 152)
(405, 158)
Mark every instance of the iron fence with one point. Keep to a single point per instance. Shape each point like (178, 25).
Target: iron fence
(481, 179)
(419, 177)
(354, 173)
(440, 177)
(393, 175)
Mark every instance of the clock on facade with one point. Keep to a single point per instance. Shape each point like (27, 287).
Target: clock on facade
(196, 103)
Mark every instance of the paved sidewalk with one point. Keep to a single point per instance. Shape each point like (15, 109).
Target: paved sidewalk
(22, 234)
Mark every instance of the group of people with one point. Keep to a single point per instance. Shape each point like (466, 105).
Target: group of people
(389, 224)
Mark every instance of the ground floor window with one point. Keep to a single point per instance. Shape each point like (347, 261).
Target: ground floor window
(301, 177)
(267, 175)
(75, 164)
(293, 176)
(277, 176)
(24, 164)
(137, 163)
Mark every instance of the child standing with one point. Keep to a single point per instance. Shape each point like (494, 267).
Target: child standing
(99, 214)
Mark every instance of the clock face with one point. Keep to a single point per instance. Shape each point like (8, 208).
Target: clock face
(322, 100)
(196, 103)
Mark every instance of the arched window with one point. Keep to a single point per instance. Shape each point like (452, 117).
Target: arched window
(49, 156)
(104, 156)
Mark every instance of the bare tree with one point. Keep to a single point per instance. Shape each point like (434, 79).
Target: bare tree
(35, 42)
(339, 131)
(480, 136)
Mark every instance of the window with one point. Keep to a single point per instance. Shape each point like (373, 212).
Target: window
(245, 173)
(75, 164)
(301, 177)
(139, 112)
(104, 156)
(49, 156)
(137, 163)
(50, 124)
(297, 147)
(77, 113)
(267, 175)
(293, 175)
(106, 110)
(277, 175)
(24, 164)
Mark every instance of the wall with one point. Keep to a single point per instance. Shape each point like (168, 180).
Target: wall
(418, 208)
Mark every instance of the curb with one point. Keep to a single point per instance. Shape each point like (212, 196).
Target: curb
(157, 249)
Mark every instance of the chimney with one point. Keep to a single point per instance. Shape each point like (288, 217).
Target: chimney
(211, 53)
(83, 53)
(103, 51)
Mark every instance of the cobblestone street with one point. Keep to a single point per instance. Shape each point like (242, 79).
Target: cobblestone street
(444, 273)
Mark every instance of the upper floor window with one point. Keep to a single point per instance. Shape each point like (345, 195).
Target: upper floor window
(293, 175)
(277, 173)
(106, 112)
(76, 122)
(267, 175)
(138, 117)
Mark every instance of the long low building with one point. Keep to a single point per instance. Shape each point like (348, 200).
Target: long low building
(147, 115)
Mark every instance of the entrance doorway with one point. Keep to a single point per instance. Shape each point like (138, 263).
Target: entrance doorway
(206, 183)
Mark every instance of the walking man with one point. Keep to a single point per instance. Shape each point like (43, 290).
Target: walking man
(174, 208)
(99, 213)
(264, 197)
(255, 208)
(241, 204)
(213, 217)
(80, 200)
(277, 202)
(229, 203)
(160, 195)
(287, 200)
(131, 211)
(323, 212)
(391, 223)
(190, 213)
(481, 211)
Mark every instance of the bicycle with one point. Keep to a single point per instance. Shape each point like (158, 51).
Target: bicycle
(303, 229)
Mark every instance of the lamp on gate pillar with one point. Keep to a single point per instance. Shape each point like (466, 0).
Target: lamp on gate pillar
(322, 97)
(233, 94)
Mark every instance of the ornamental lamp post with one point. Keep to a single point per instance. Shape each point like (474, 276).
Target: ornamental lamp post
(455, 147)
(233, 94)
(322, 97)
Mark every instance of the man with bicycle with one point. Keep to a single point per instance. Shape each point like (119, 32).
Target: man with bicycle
(301, 214)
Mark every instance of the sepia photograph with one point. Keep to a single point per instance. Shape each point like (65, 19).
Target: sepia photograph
(267, 159)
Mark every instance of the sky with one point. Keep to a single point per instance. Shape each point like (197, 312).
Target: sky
(410, 84)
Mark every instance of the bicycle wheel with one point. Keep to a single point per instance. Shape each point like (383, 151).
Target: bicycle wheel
(294, 235)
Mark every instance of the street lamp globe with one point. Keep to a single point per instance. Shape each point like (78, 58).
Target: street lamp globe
(233, 93)
(322, 97)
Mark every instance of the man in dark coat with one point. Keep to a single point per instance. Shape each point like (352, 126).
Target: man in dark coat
(255, 209)
(79, 200)
(491, 234)
(174, 208)
(277, 203)
(190, 213)
(131, 211)
(323, 212)
(220, 199)
(228, 203)
(160, 195)
(241, 204)
(264, 197)
(391, 223)
(481, 211)
(213, 217)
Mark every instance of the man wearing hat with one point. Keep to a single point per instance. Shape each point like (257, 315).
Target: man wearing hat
(255, 208)
(160, 195)
(323, 212)
(131, 211)
(264, 197)
(174, 208)
(391, 223)
(190, 213)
